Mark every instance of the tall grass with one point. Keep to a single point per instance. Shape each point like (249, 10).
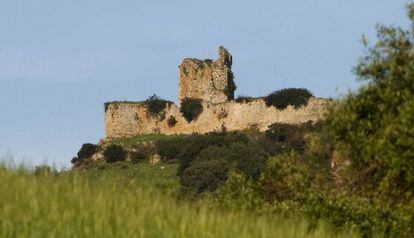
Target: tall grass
(126, 201)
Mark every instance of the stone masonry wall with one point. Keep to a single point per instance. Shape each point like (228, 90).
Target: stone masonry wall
(126, 119)
(211, 81)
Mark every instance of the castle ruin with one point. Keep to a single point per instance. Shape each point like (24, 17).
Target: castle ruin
(212, 82)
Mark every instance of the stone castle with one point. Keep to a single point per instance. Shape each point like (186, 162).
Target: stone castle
(212, 83)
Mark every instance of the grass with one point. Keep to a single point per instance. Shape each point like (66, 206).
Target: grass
(131, 141)
(124, 200)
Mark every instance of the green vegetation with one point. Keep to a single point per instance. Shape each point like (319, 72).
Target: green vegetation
(85, 152)
(191, 108)
(281, 99)
(245, 99)
(374, 125)
(156, 106)
(231, 87)
(131, 141)
(126, 201)
(171, 121)
(352, 172)
(44, 171)
(295, 97)
(114, 153)
(116, 103)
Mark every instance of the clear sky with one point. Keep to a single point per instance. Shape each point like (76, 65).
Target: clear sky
(61, 60)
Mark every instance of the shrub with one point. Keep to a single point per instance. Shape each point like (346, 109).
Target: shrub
(138, 156)
(244, 99)
(284, 178)
(171, 121)
(251, 159)
(114, 153)
(86, 151)
(194, 144)
(205, 169)
(281, 99)
(204, 175)
(191, 108)
(169, 148)
(247, 158)
(289, 136)
(156, 106)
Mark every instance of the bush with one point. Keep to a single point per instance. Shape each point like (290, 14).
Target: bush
(206, 160)
(156, 106)
(281, 99)
(86, 152)
(284, 178)
(244, 99)
(191, 108)
(194, 144)
(169, 148)
(251, 159)
(114, 153)
(288, 136)
(204, 175)
(171, 121)
(138, 156)
(247, 158)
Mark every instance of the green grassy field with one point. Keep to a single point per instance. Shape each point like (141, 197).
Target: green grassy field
(125, 200)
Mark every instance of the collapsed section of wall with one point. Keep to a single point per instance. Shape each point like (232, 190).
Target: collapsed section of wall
(128, 119)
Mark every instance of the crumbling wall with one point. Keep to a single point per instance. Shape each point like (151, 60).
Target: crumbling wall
(211, 81)
(125, 120)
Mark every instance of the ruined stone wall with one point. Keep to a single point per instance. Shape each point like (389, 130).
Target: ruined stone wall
(211, 81)
(126, 119)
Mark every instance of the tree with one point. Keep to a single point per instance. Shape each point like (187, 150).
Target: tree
(375, 124)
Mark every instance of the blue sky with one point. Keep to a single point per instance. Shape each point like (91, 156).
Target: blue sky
(61, 60)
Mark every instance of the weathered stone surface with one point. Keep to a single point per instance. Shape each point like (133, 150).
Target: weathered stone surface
(125, 120)
(211, 81)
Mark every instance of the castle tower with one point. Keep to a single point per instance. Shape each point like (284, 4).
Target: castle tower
(211, 81)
